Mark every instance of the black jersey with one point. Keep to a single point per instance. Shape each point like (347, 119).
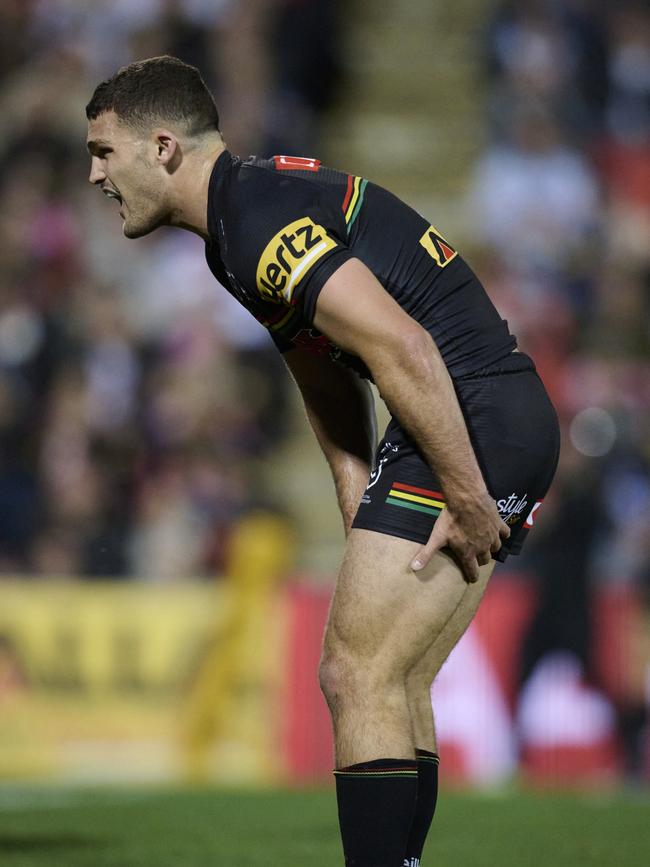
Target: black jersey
(279, 228)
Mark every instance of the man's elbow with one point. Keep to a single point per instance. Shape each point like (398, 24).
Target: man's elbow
(409, 349)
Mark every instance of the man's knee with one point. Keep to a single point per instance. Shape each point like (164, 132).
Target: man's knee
(345, 675)
(331, 677)
(339, 673)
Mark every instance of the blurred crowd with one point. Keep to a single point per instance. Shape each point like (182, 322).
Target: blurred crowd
(560, 201)
(136, 399)
(126, 445)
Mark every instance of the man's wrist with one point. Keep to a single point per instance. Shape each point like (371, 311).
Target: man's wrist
(462, 499)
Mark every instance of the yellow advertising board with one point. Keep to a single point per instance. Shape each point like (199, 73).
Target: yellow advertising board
(92, 674)
(148, 681)
(124, 681)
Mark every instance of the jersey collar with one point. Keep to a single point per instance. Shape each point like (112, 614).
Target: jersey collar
(216, 188)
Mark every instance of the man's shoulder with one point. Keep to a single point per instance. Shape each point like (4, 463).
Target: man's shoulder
(277, 231)
(277, 180)
(268, 196)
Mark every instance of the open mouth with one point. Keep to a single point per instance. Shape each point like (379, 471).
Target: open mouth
(112, 194)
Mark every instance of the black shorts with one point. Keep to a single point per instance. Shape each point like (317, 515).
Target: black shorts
(515, 434)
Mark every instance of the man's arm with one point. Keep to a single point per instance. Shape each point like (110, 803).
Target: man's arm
(355, 311)
(340, 409)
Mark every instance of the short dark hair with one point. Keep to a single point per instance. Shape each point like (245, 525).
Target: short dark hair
(154, 90)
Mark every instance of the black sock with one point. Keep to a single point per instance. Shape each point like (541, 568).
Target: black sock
(376, 802)
(425, 805)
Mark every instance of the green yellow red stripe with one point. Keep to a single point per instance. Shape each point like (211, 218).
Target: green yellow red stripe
(353, 199)
(416, 498)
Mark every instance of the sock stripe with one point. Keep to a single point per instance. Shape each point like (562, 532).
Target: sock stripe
(378, 772)
(426, 756)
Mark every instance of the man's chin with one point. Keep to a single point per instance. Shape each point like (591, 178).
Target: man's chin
(134, 231)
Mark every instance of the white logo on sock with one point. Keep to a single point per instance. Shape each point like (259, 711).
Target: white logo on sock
(411, 862)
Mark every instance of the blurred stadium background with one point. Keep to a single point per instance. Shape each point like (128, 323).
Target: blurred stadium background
(168, 531)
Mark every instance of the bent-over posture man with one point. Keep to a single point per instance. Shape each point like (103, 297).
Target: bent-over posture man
(353, 285)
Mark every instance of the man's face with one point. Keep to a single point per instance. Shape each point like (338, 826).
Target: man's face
(123, 165)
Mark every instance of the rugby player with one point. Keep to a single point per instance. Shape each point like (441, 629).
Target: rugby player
(353, 285)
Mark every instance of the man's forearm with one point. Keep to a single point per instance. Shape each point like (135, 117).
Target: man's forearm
(418, 390)
(349, 470)
(345, 427)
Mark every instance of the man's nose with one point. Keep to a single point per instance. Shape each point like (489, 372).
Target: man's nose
(97, 173)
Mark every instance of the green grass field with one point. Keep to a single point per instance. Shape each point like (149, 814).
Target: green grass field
(174, 828)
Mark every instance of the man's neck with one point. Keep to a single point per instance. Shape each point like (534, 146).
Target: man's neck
(192, 182)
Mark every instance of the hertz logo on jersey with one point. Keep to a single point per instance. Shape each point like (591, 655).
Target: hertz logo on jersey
(290, 255)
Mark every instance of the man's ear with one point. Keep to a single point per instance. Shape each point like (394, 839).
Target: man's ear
(168, 151)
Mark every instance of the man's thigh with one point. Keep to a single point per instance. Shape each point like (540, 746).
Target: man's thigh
(384, 615)
(427, 667)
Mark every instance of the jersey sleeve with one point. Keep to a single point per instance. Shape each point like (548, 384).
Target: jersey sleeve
(291, 239)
